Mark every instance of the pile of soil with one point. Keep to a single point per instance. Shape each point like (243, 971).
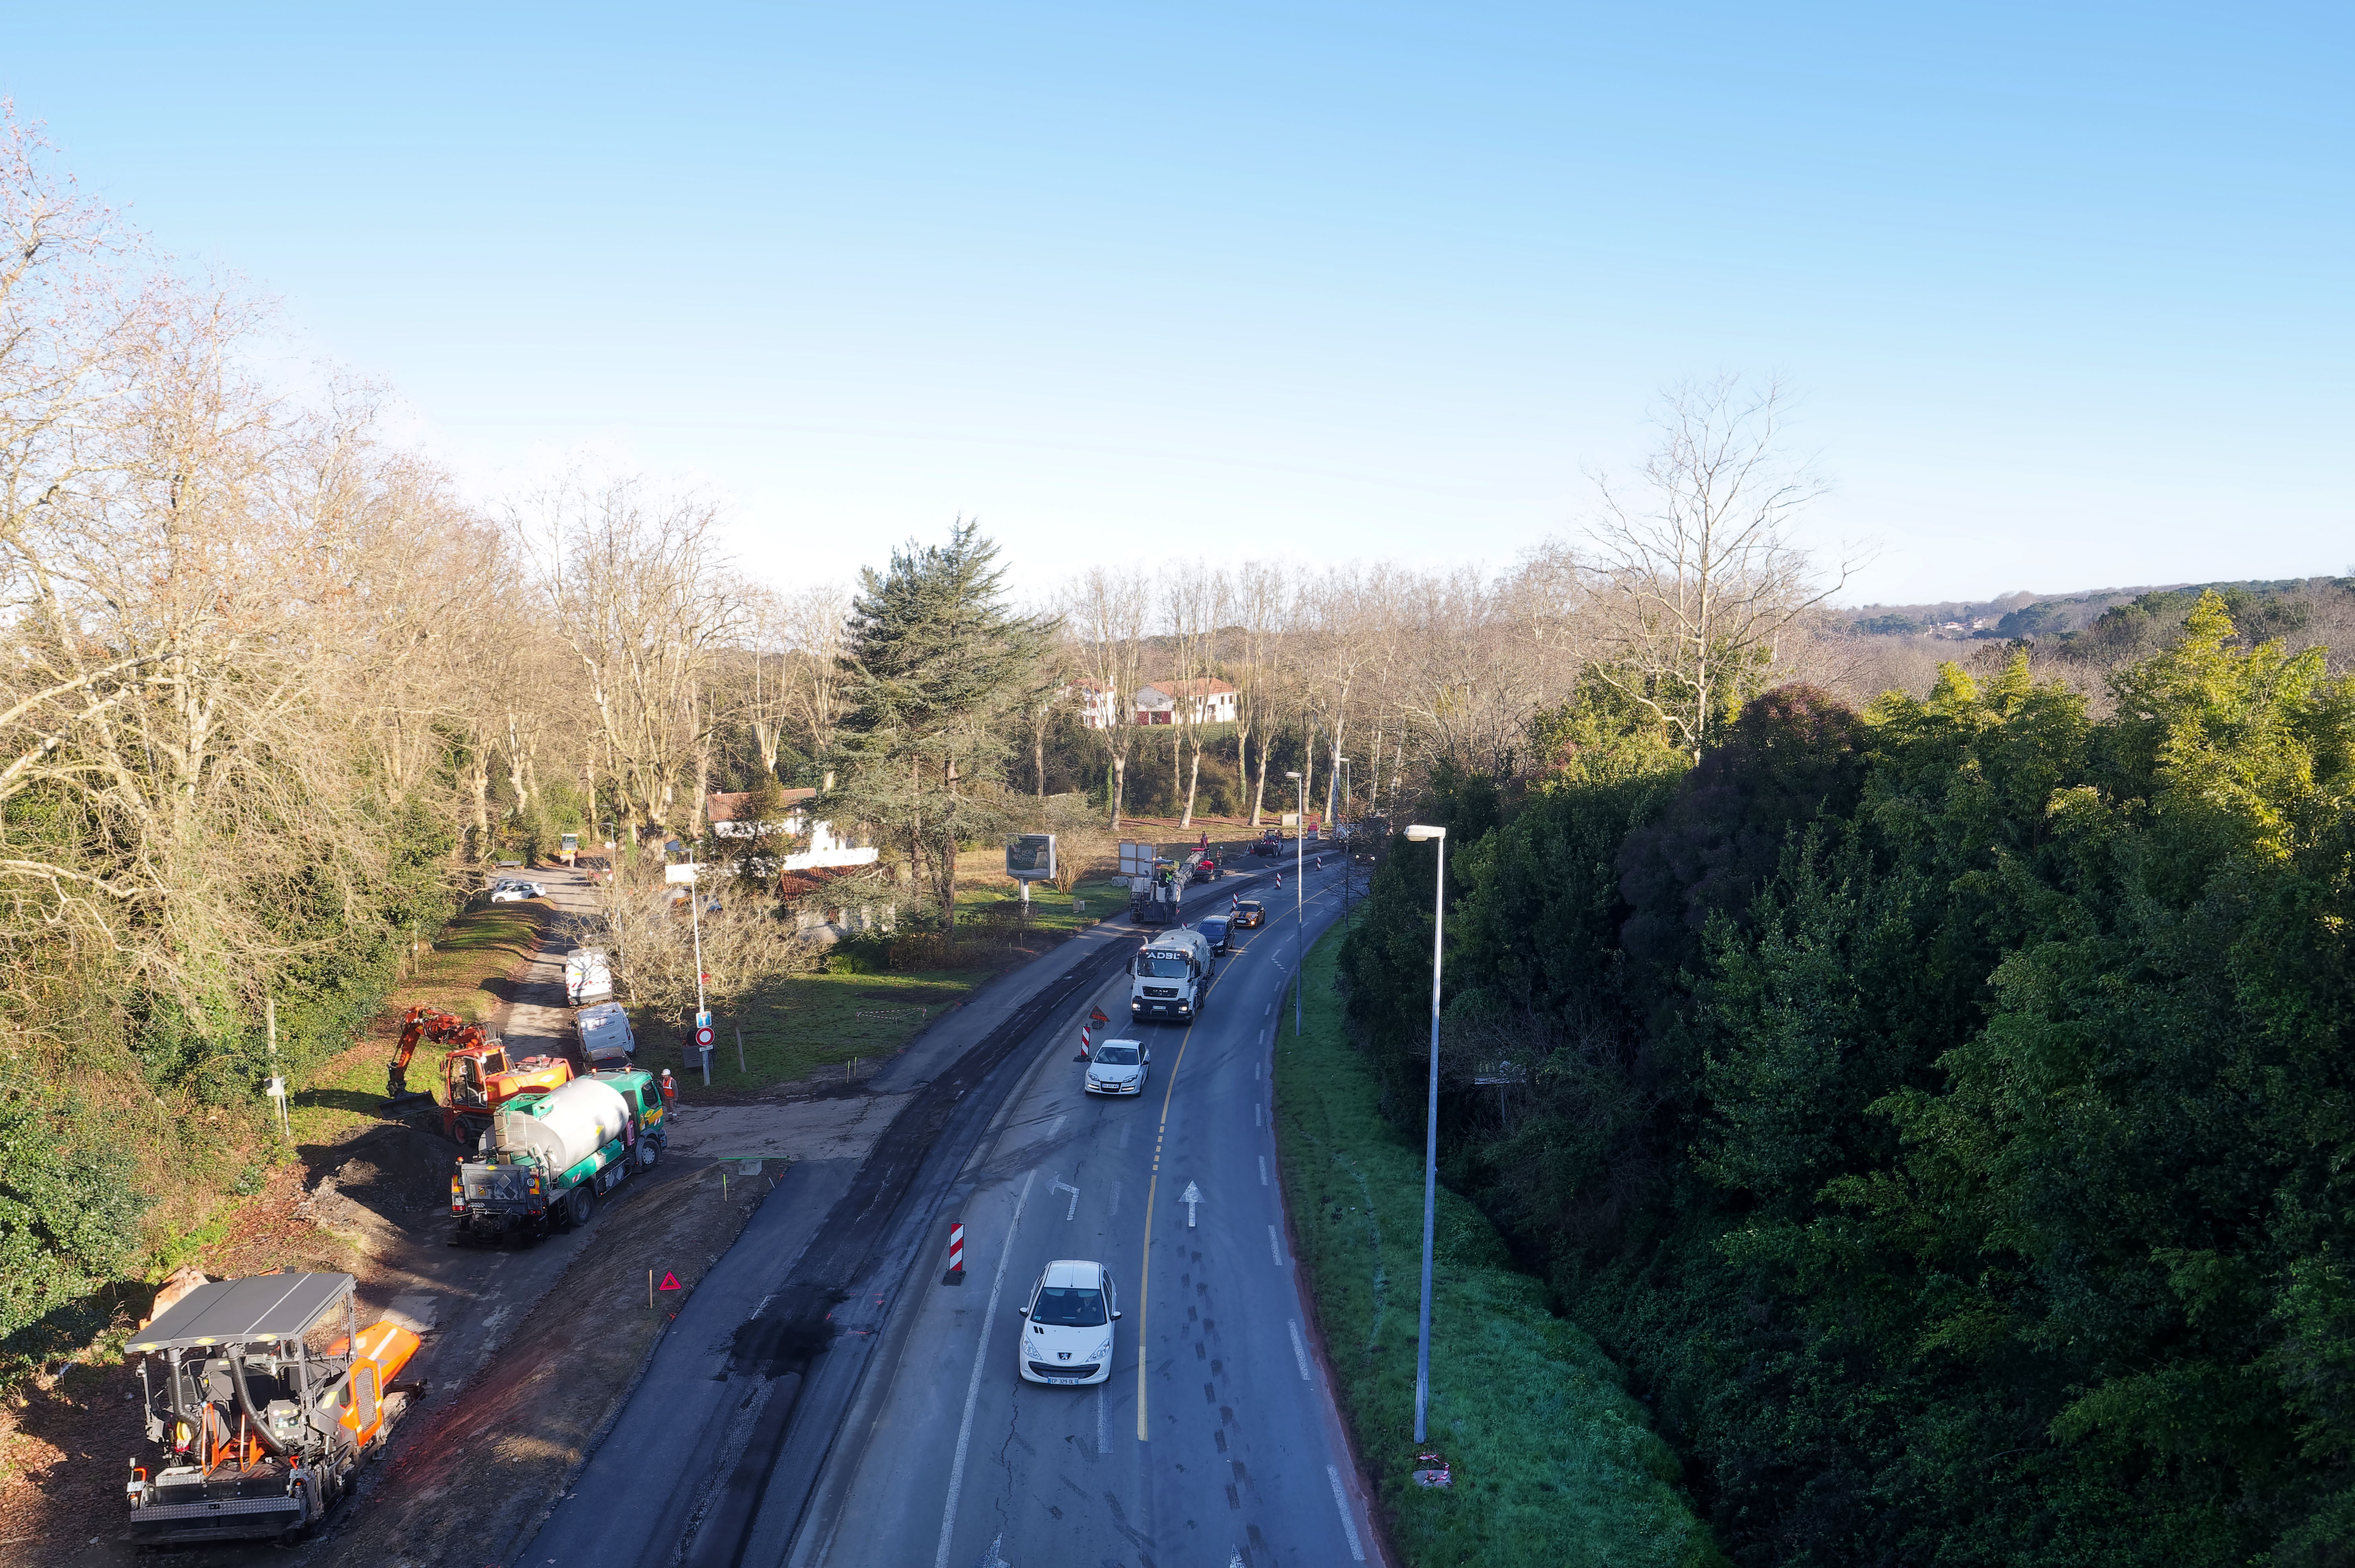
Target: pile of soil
(395, 1174)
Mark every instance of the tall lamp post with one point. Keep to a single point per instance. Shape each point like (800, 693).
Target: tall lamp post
(1417, 834)
(1299, 900)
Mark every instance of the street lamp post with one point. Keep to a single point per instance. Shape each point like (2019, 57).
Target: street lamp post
(1299, 901)
(1429, 1133)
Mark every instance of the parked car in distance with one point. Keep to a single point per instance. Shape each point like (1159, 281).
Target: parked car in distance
(1067, 1324)
(1118, 1068)
(1249, 914)
(1214, 931)
(514, 890)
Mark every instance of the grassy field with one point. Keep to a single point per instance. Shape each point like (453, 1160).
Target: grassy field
(1554, 1463)
(475, 954)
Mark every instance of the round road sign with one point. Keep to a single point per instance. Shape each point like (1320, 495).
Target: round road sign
(703, 1037)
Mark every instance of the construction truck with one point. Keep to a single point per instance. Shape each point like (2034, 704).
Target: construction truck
(263, 1397)
(1153, 886)
(478, 1077)
(548, 1156)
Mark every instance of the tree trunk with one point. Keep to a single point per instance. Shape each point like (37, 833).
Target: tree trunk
(1259, 792)
(1193, 780)
(1307, 772)
(1119, 768)
(1039, 757)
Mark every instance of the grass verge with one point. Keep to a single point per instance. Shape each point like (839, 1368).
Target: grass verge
(477, 953)
(1554, 1462)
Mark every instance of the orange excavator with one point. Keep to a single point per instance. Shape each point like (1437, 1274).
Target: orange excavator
(477, 1077)
(422, 1023)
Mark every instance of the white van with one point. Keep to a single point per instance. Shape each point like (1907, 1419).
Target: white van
(588, 976)
(1171, 977)
(606, 1043)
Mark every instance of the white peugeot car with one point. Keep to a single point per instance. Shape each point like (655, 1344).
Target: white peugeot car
(1067, 1332)
(1118, 1068)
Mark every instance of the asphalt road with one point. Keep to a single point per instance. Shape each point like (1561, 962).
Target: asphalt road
(823, 1399)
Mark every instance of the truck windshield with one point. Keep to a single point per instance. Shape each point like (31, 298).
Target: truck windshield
(1060, 1307)
(1161, 966)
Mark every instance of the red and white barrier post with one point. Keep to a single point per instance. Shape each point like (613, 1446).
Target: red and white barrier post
(955, 1274)
(1083, 1039)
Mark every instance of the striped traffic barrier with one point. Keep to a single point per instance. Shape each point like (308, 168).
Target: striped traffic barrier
(955, 1274)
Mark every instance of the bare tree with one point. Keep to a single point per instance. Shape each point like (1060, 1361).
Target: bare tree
(635, 589)
(1258, 596)
(1699, 577)
(1104, 614)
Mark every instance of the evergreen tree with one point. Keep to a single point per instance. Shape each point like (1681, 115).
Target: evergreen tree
(937, 666)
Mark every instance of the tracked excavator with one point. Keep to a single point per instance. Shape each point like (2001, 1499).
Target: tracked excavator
(478, 1076)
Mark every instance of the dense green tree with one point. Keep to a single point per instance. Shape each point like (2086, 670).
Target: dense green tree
(1969, 1180)
(936, 665)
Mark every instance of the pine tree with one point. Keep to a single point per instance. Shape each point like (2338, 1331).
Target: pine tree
(937, 667)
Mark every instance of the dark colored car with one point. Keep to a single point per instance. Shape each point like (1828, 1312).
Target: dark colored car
(1271, 845)
(1214, 931)
(1248, 915)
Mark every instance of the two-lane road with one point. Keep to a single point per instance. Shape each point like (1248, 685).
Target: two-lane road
(1215, 1440)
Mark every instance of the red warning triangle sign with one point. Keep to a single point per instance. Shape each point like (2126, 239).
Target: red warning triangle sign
(1096, 1015)
(671, 1281)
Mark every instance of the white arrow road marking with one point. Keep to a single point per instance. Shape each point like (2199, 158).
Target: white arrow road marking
(1063, 1186)
(990, 1559)
(1274, 1250)
(1189, 1197)
(1300, 1350)
(1348, 1525)
(973, 1389)
(1262, 1170)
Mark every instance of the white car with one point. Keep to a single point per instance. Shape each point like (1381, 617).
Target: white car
(1067, 1326)
(1118, 1068)
(513, 891)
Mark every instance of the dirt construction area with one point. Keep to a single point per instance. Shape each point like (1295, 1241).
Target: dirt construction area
(530, 1350)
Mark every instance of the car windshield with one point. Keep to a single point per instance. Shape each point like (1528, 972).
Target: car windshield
(1161, 966)
(1214, 928)
(1248, 906)
(1116, 1055)
(1064, 1307)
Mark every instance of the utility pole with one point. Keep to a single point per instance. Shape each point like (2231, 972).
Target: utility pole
(1299, 902)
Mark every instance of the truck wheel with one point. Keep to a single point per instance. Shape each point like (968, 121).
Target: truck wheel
(573, 1212)
(648, 1153)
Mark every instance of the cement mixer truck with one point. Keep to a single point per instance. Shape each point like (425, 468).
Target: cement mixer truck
(547, 1156)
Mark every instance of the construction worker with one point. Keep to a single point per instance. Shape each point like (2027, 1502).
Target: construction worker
(670, 1093)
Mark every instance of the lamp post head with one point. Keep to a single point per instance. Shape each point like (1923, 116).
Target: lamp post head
(1418, 833)
(1292, 773)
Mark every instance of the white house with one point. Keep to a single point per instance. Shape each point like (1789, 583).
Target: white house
(1095, 703)
(725, 812)
(1211, 701)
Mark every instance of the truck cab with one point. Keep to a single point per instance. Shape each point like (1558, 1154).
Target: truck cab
(1171, 978)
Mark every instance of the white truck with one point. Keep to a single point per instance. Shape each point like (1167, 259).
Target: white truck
(588, 976)
(1154, 885)
(1171, 978)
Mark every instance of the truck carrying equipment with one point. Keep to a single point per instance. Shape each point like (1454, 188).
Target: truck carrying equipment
(263, 1394)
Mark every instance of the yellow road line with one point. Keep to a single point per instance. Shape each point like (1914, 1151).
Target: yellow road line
(1145, 1268)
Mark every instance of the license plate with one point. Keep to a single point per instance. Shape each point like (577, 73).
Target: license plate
(1066, 1380)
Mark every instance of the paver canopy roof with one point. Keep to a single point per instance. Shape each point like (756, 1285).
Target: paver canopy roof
(244, 1311)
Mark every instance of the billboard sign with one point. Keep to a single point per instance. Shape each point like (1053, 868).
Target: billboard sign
(1032, 857)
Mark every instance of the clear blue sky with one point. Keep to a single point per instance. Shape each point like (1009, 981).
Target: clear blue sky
(2065, 288)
